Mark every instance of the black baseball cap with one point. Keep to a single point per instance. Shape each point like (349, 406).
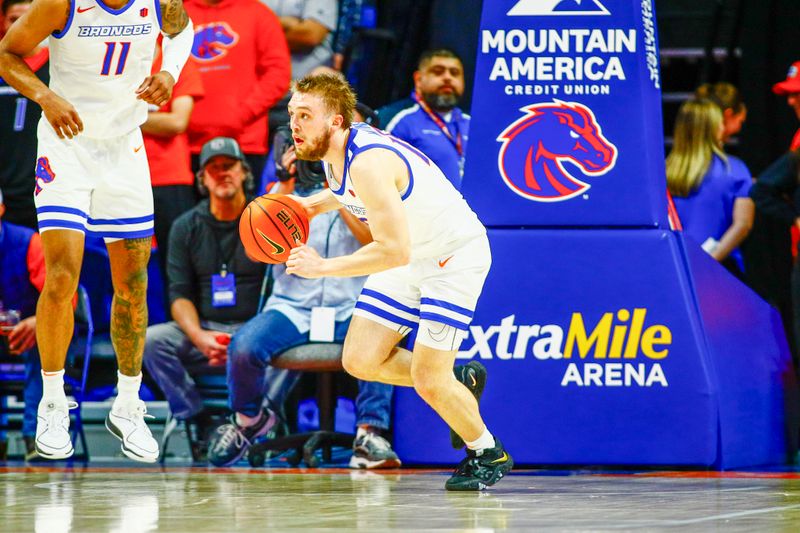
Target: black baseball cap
(220, 146)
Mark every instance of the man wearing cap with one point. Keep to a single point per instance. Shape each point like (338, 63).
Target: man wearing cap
(772, 271)
(213, 286)
(790, 88)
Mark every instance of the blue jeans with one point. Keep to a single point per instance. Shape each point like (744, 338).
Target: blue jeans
(271, 333)
(32, 393)
(168, 353)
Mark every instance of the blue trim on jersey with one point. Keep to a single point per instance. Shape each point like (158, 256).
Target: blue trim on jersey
(377, 311)
(60, 209)
(436, 317)
(60, 34)
(119, 11)
(447, 305)
(400, 155)
(62, 224)
(158, 14)
(120, 221)
(347, 147)
(385, 299)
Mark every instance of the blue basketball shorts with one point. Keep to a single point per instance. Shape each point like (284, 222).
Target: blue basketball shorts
(96, 186)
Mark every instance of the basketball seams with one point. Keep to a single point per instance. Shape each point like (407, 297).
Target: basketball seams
(287, 241)
(253, 233)
(303, 219)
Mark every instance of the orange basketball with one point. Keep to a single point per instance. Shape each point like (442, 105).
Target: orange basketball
(271, 226)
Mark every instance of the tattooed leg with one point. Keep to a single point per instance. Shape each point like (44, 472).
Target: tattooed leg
(129, 259)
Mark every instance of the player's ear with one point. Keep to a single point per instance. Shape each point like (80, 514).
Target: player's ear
(337, 122)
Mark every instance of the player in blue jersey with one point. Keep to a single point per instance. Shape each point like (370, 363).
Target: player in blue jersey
(426, 264)
(92, 177)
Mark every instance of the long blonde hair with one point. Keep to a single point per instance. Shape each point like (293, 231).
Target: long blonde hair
(696, 140)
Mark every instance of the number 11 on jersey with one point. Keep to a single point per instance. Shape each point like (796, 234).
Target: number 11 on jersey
(123, 56)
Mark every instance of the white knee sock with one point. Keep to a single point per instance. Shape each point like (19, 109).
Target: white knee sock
(53, 386)
(127, 388)
(486, 440)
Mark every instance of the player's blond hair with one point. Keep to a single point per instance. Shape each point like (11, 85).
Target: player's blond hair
(337, 95)
(696, 139)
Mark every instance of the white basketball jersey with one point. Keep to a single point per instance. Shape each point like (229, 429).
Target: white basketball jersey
(100, 58)
(439, 218)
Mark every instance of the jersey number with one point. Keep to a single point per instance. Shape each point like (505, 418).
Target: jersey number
(123, 56)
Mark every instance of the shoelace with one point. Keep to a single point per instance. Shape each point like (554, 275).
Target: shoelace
(55, 416)
(231, 434)
(138, 414)
(378, 441)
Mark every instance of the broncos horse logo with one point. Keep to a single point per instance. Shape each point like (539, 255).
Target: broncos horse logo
(44, 174)
(212, 41)
(537, 146)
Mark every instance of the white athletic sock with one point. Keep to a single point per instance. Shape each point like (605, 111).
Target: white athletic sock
(486, 440)
(53, 385)
(127, 388)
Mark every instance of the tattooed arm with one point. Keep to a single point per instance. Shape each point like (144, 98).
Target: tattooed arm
(177, 44)
(174, 18)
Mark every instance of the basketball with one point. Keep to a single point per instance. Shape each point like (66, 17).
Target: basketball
(270, 226)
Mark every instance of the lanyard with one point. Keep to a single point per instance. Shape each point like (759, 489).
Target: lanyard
(227, 259)
(434, 116)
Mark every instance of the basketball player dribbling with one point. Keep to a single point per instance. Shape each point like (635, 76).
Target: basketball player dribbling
(92, 176)
(426, 264)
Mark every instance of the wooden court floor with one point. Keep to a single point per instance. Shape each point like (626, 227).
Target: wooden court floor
(56, 499)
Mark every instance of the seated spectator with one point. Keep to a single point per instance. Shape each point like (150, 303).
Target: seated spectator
(430, 119)
(286, 322)
(19, 117)
(21, 280)
(167, 147)
(709, 187)
(729, 100)
(213, 286)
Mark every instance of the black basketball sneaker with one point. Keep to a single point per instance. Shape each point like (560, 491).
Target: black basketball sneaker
(476, 472)
(473, 376)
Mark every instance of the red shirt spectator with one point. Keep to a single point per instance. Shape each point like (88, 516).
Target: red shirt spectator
(243, 59)
(168, 155)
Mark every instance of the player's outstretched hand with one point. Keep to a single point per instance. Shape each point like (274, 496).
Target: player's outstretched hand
(61, 115)
(304, 261)
(156, 89)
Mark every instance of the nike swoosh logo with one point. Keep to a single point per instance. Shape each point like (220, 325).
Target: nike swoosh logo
(85, 9)
(278, 249)
(139, 148)
(501, 459)
(443, 263)
(472, 379)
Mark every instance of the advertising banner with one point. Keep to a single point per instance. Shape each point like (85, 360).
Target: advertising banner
(599, 353)
(566, 120)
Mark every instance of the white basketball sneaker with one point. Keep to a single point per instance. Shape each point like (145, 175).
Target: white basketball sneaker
(126, 422)
(52, 428)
